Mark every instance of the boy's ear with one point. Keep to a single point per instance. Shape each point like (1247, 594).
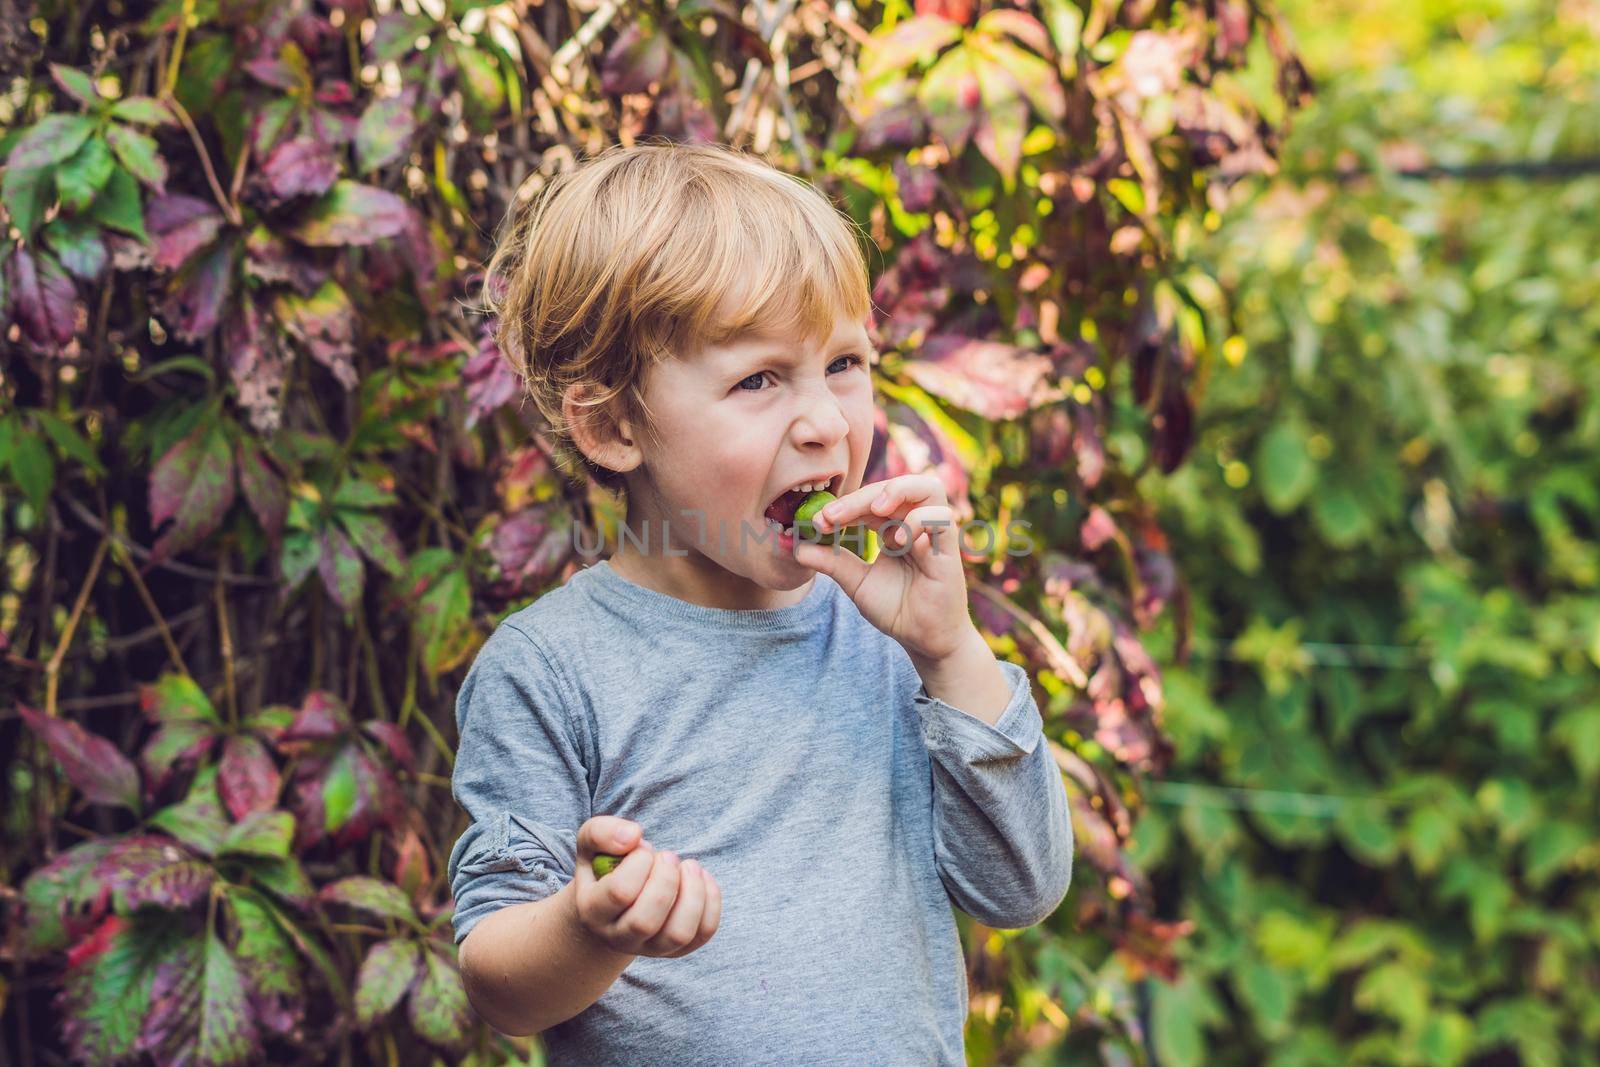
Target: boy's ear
(607, 438)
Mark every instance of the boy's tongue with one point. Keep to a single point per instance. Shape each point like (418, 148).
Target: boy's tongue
(782, 509)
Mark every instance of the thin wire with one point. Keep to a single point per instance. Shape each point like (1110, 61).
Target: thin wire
(1313, 805)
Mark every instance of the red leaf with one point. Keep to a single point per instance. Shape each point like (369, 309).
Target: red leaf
(195, 296)
(301, 167)
(193, 484)
(325, 324)
(96, 942)
(1098, 528)
(45, 298)
(247, 778)
(264, 489)
(351, 214)
(92, 763)
(322, 716)
(340, 567)
(490, 379)
(992, 379)
(638, 58)
(395, 740)
(954, 10)
(180, 225)
(256, 364)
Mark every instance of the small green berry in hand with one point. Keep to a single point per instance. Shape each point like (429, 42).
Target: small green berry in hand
(803, 527)
(604, 863)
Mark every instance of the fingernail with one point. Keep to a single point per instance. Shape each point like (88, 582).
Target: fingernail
(670, 857)
(690, 866)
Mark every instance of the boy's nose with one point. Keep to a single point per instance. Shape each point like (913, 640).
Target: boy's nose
(821, 420)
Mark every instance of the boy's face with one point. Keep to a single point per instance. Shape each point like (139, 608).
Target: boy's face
(737, 426)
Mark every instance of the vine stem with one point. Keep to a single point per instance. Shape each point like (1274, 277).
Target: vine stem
(150, 605)
(52, 670)
(223, 202)
(226, 637)
(177, 48)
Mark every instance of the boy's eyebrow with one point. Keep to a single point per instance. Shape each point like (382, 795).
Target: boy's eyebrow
(782, 351)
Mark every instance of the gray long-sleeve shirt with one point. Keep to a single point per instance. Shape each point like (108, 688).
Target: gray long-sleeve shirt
(795, 754)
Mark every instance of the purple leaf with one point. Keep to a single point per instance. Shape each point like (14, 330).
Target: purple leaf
(91, 763)
(637, 59)
(247, 778)
(269, 125)
(264, 489)
(385, 130)
(174, 745)
(374, 538)
(196, 294)
(395, 740)
(256, 365)
(199, 1012)
(351, 214)
(321, 717)
(193, 484)
(386, 974)
(105, 994)
(301, 167)
(180, 225)
(490, 379)
(989, 378)
(899, 126)
(325, 323)
(150, 869)
(340, 567)
(46, 301)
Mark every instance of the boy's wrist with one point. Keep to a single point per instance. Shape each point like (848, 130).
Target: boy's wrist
(968, 679)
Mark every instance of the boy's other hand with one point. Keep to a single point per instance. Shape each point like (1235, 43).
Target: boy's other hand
(651, 904)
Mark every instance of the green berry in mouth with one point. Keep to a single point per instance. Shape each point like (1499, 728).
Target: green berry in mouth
(605, 863)
(803, 528)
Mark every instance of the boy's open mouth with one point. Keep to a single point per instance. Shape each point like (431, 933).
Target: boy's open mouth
(781, 511)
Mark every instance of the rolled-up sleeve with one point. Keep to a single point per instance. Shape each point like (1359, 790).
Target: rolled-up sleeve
(1003, 836)
(521, 778)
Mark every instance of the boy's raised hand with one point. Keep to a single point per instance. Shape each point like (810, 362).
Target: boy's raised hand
(651, 904)
(918, 597)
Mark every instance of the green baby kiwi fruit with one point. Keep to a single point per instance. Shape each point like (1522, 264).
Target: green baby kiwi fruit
(805, 530)
(605, 863)
(803, 527)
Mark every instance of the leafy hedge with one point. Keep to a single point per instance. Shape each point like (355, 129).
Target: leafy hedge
(1392, 711)
(242, 238)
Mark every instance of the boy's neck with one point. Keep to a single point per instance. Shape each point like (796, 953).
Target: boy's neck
(698, 580)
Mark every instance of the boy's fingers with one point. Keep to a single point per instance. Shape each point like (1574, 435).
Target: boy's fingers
(623, 885)
(649, 911)
(683, 924)
(863, 504)
(607, 833)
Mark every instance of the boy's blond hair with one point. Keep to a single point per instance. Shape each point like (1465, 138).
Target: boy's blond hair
(640, 252)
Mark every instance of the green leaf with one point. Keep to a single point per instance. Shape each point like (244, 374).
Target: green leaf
(1180, 1014)
(80, 179)
(1397, 991)
(33, 468)
(77, 84)
(143, 109)
(198, 820)
(70, 442)
(51, 141)
(1340, 517)
(1430, 833)
(374, 895)
(891, 52)
(140, 154)
(107, 998)
(267, 961)
(1367, 830)
(438, 1006)
(261, 833)
(1551, 847)
(26, 192)
(226, 1030)
(1284, 468)
(386, 974)
(118, 207)
(64, 885)
(373, 536)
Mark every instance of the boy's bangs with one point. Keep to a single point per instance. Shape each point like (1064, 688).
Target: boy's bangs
(786, 276)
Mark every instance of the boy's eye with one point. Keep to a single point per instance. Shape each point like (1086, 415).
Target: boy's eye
(849, 361)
